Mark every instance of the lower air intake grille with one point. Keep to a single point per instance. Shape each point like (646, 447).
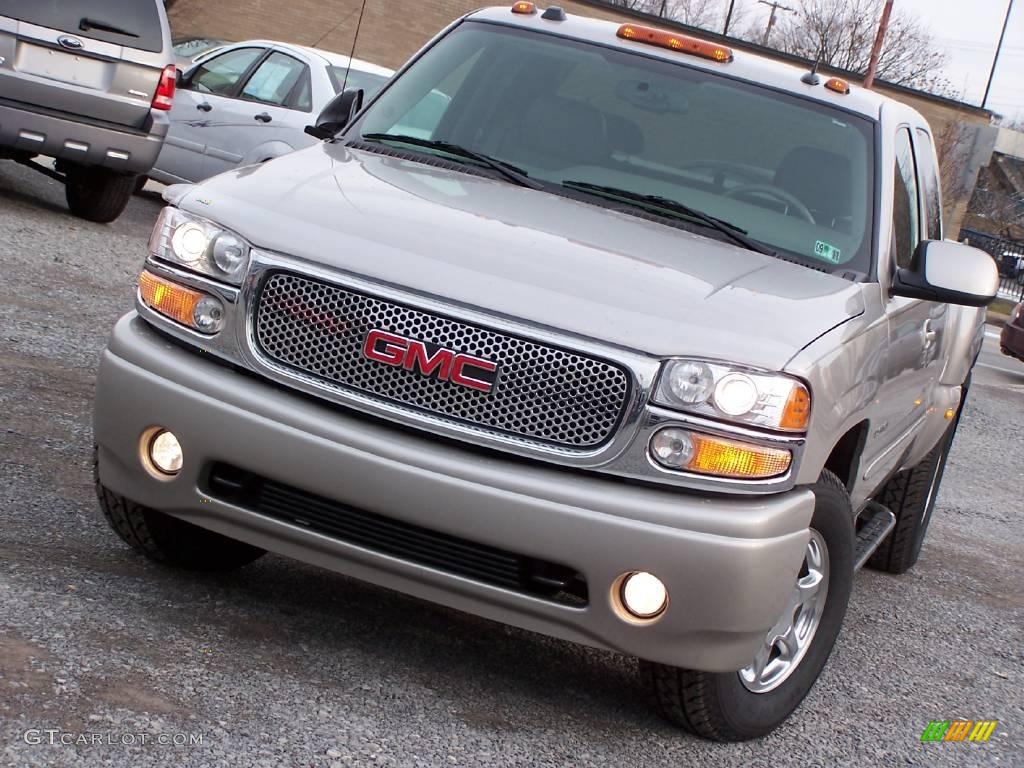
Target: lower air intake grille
(405, 541)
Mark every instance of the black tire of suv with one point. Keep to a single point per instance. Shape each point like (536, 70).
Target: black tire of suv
(910, 495)
(170, 541)
(716, 705)
(96, 194)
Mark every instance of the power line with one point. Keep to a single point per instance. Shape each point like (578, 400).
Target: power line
(999, 45)
(775, 5)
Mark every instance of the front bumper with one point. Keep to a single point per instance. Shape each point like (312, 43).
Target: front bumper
(729, 563)
(81, 142)
(1011, 341)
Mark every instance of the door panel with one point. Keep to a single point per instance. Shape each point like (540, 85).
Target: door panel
(258, 116)
(200, 103)
(917, 330)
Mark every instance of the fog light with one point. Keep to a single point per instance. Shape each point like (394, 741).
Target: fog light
(165, 452)
(672, 447)
(643, 594)
(208, 315)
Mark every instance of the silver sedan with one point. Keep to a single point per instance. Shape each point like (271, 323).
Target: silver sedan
(250, 102)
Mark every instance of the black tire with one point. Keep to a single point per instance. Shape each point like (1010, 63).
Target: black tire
(716, 705)
(170, 541)
(140, 184)
(96, 194)
(910, 495)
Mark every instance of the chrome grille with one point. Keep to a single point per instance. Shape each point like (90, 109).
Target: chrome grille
(542, 393)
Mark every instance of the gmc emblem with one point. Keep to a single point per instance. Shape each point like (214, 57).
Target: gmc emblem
(447, 365)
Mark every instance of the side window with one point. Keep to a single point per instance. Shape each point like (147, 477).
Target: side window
(302, 99)
(929, 185)
(273, 80)
(905, 203)
(221, 74)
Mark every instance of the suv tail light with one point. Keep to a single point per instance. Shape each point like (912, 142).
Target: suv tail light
(164, 95)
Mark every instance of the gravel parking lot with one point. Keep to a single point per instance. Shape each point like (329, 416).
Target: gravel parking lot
(284, 665)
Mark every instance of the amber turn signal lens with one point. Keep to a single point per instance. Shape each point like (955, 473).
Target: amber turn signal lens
(680, 43)
(525, 8)
(729, 458)
(797, 412)
(838, 85)
(168, 298)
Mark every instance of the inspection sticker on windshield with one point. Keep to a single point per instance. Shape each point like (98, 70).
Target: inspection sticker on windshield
(828, 252)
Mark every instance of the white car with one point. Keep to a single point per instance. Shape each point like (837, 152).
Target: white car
(250, 102)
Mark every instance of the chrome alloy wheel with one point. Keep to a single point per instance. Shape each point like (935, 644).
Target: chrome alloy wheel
(788, 641)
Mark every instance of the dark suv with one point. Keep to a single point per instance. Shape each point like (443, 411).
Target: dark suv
(1011, 340)
(89, 84)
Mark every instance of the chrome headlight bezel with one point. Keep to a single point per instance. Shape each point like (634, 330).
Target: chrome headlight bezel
(200, 245)
(736, 394)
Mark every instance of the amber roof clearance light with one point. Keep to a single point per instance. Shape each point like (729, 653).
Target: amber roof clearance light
(681, 43)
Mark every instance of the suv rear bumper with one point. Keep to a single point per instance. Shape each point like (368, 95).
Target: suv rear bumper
(84, 143)
(728, 563)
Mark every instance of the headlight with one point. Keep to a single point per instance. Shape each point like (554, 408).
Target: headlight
(720, 391)
(199, 245)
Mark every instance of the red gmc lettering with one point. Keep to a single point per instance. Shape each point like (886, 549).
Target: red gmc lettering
(419, 358)
(463, 370)
(391, 352)
(459, 376)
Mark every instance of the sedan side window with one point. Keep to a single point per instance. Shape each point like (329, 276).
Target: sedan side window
(273, 80)
(220, 75)
(906, 230)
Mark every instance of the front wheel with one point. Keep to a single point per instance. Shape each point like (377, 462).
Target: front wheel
(735, 706)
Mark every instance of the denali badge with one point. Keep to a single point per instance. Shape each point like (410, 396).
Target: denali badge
(447, 365)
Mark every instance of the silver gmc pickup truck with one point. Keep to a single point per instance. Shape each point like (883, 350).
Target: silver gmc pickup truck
(643, 343)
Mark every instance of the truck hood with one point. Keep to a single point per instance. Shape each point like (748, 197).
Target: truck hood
(546, 259)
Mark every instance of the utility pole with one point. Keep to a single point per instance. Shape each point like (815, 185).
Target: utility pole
(876, 49)
(771, 19)
(728, 17)
(999, 47)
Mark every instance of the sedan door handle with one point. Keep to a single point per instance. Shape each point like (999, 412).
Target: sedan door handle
(929, 333)
(204, 106)
(263, 117)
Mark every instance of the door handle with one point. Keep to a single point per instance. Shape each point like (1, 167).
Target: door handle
(929, 333)
(204, 106)
(263, 117)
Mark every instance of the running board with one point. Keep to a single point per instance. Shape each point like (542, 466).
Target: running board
(872, 533)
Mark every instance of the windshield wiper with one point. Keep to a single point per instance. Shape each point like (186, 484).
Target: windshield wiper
(509, 171)
(86, 24)
(735, 233)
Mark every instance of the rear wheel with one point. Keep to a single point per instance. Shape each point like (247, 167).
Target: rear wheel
(96, 194)
(735, 706)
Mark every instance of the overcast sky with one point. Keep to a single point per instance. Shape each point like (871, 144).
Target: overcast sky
(969, 30)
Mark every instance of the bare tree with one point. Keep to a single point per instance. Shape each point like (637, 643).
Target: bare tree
(842, 32)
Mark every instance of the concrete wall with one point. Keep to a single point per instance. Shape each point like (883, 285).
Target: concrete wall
(392, 30)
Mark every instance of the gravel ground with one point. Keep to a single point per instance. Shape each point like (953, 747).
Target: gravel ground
(284, 665)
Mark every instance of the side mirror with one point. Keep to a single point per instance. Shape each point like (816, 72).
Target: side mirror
(337, 114)
(949, 273)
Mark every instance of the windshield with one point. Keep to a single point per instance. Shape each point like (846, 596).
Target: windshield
(132, 23)
(795, 174)
(356, 79)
